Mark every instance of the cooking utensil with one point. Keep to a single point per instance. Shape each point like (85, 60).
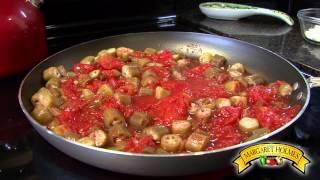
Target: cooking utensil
(257, 59)
(232, 11)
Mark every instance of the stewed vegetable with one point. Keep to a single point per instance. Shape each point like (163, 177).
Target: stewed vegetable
(112, 116)
(139, 120)
(182, 127)
(156, 132)
(160, 101)
(197, 142)
(171, 143)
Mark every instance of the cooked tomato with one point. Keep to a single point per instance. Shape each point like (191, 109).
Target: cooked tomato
(196, 88)
(82, 119)
(70, 88)
(261, 94)
(109, 62)
(138, 144)
(272, 117)
(222, 77)
(94, 85)
(162, 72)
(127, 89)
(109, 103)
(224, 136)
(227, 115)
(197, 71)
(109, 74)
(83, 68)
(137, 118)
(138, 54)
(171, 108)
(164, 57)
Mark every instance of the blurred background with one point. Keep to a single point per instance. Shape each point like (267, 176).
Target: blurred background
(69, 22)
(66, 11)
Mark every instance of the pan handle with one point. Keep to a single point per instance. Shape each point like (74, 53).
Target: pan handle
(312, 81)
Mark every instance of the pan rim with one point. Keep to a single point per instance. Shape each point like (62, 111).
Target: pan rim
(101, 150)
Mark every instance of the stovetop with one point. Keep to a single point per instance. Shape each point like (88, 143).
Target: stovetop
(26, 155)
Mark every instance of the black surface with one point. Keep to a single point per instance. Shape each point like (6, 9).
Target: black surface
(71, 11)
(266, 32)
(61, 36)
(74, 11)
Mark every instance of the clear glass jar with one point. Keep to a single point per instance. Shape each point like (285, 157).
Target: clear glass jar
(310, 24)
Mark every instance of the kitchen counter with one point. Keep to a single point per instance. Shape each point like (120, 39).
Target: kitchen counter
(266, 32)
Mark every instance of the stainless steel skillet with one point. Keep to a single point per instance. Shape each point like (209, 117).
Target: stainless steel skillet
(257, 59)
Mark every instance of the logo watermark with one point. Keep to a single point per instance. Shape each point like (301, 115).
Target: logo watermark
(271, 155)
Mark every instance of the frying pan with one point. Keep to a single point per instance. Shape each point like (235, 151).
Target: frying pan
(257, 59)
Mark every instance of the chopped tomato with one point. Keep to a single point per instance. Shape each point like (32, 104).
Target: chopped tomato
(83, 68)
(94, 85)
(127, 89)
(138, 144)
(81, 120)
(291, 112)
(70, 88)
(272, 117)
(109, 74)
(161, 72)
(170, 108)
(112, 82)
(164, 57)
(109, 103)
(222, 77)
(227, 115)
(224, 136)
(195, 88)
(267, 117)
(175, 86)
(109, 62)
(138, 54)
(260, 94)
(196, 71)
(205, 88)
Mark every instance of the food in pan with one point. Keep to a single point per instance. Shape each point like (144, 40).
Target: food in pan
(159, 101)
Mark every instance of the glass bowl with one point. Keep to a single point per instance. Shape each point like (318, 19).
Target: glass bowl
(310, 24)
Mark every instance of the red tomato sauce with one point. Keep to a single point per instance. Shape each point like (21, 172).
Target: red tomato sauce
(81, 116)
